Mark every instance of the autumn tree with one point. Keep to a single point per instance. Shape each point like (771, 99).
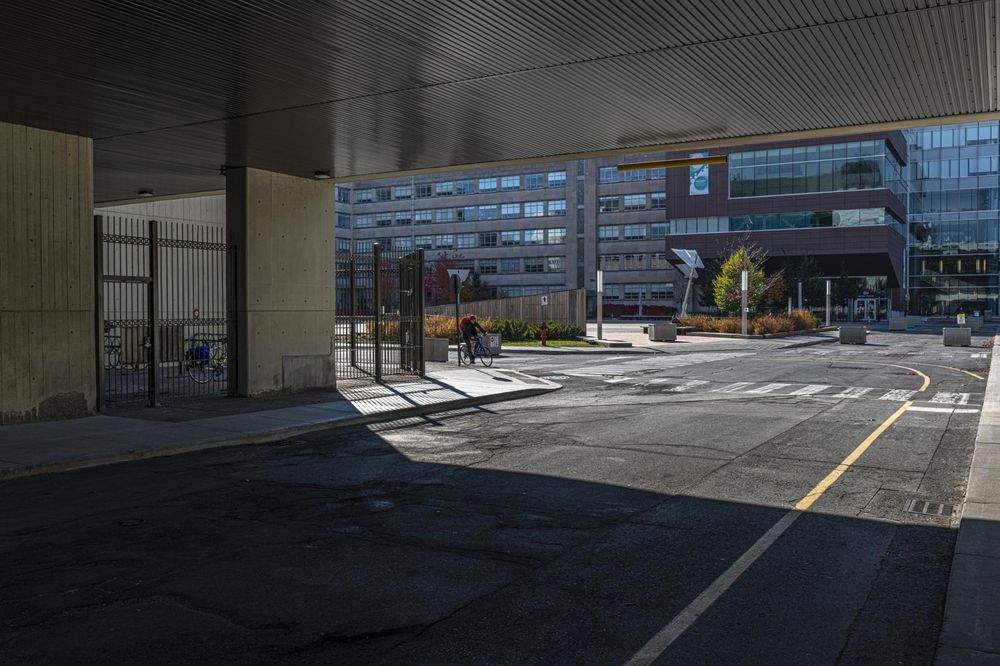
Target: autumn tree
(727, 287)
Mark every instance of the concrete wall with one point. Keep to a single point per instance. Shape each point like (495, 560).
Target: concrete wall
(282, 280)
(47, 357)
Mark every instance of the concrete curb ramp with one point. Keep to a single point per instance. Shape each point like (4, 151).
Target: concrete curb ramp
(970, 633)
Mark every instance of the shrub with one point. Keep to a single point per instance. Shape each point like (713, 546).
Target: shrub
(765, 324)
(803, 320)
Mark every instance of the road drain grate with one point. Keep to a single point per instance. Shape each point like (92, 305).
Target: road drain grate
(928, 508)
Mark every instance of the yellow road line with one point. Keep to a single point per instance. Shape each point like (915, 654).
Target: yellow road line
(948, 367)
(927, 380)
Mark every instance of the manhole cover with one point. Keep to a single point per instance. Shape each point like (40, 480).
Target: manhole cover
(928, 508)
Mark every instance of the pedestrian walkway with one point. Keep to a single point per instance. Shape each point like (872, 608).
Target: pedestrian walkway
(36, 448)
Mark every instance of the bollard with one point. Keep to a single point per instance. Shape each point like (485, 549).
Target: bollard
(853, 335)
(663, 332)
(957, 337)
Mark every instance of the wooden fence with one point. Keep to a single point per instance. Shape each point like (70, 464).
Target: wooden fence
(564, 307)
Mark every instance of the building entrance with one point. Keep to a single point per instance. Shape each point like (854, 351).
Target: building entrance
(870, 309)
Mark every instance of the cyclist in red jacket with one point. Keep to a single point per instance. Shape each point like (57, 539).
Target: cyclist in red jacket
(470, 328)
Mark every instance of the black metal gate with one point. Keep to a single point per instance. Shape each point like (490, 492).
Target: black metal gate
(161, 294)
(380, 322)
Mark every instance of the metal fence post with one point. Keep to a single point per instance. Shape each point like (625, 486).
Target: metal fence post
(353, 310)
(377, 290)
(152, 305)
(99, 338)
(419, 288)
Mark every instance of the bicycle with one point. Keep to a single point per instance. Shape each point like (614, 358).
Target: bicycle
(205, 360)
(484, 354)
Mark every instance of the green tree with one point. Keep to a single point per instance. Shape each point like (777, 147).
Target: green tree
(727, 285)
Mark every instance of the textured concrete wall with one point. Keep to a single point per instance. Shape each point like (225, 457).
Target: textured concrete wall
(282, 280)
(47, 358)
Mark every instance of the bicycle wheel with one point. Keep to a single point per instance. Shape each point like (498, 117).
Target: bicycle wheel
(485, 356)
(199, 372)
(463, 355)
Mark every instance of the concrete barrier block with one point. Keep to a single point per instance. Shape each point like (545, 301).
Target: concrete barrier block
(957, 337)
(853, 335)
(663, 332)
(436, 349)
(898, 324)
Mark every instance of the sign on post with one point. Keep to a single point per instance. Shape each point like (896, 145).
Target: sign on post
(545, 299)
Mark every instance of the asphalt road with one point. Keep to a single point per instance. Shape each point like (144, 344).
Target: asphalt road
(641, 512)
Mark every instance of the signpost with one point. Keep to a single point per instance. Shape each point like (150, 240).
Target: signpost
(457, 276)
(744, 304)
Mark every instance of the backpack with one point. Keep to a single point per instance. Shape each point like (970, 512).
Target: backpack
(198, 353)
(463, 323)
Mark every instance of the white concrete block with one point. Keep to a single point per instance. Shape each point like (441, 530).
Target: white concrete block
(957, 337)
(853, 335)
(665, 332)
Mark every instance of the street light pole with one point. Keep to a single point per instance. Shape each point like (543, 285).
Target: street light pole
(827, 302)
(600, 305)
(744, 284)
(800, 294)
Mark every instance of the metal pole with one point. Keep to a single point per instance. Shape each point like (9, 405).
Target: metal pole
(827, 302)
(458, 308)
(353, 310)
(600, 305)
(419, 287)
(153, 306)
(744, 284)
(800, 295)
(99, 334)
(789, 306)
(687, 292)
(377, 289)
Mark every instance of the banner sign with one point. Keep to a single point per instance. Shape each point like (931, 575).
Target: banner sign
(698, 176)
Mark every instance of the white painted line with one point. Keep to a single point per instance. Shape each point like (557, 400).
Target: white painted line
(937, 410)
(811, 389)
(689, 385)
(965, 411)
(617, 380)
(652, 650)
(854, 392)
(733, 388)
(949, 398)
(662, 380)
(767, 388)
(902, 395)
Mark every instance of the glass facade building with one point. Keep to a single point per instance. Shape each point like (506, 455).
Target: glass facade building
(954, 217)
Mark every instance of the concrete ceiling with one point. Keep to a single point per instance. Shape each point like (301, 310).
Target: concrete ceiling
(170, 90)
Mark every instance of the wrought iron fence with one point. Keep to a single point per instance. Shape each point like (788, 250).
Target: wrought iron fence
(379, 316)
(161, 295)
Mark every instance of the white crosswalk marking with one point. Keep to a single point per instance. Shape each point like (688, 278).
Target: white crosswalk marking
(617, 380)
(767, 388)
(854, 392)
(949, 398)
(811, 389)
(689, 385)
(733, 388)
(898, 394)
(663, 380)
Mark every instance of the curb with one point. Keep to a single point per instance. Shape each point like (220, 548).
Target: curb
(579, 350)
(809, 343)
(271, 435)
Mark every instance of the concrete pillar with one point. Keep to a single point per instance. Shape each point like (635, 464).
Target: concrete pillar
(281, 282)
(47, 343)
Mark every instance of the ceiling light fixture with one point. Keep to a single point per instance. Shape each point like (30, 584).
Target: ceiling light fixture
(145, 193)
(321, 175)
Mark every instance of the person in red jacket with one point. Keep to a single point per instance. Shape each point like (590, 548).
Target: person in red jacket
(470, 329)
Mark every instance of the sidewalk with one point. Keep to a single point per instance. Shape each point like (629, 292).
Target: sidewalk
(970, 633)
(684, 344)
(39, 448)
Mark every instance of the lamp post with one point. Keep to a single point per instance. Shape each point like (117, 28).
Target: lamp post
(744, 284)
(827, 302)
(600, 305)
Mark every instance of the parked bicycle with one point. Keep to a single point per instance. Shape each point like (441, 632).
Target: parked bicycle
(205, 359)
(484, 355)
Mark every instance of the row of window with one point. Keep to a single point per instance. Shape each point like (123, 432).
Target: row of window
(963, 236)
(510, 265)
(635, 261)
(962, 168)
(507, 211)
(774, 221)
(555, 236)
(985, 198)
(832, 151)
(807, 177)
(617, 203)
(447, 188)
(611, 174)
(614, 232)
(662, 291)
(951, 136)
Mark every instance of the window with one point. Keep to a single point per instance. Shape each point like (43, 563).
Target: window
(488, 266)
(343, 220)
(424, 190)
(383, 219)
(611, 262)
(608, 204)
(488, 239)
(510, 265)
(612, 291)
(488, 212)
(343, 245)
(362, 196)
(557, 207)
(534, 265)
(658, 173)
(362, 246)
(534, 237)
(510, 237)
(534, 181)
(608, 174)
(487, 184)
(383, 194)
(404, 218)
(557, 236)
(557, 179)
(343, 195)
(635, 175)
(658, 230)
(402, 192)
(362, 221)
(466, 214)
(555, 264)
(662, 291)
(465, 187)
(508, 292)
(510, 210)
(510, 183)
(533, 290)
(402, 243)
(465, 241)
(658, 261)
(635, 232)
(635, 201)
(444, 215)
(444, 241)
(634, 262)
(423, 216)
(607, 232)
(634, 292)
(534, 208)
(657, 199)
(444, 188)
(422, 242)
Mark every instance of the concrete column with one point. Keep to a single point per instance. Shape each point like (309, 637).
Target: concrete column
(47, 355)
(282, 281)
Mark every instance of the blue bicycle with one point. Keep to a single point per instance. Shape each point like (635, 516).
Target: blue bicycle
(484, 355)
